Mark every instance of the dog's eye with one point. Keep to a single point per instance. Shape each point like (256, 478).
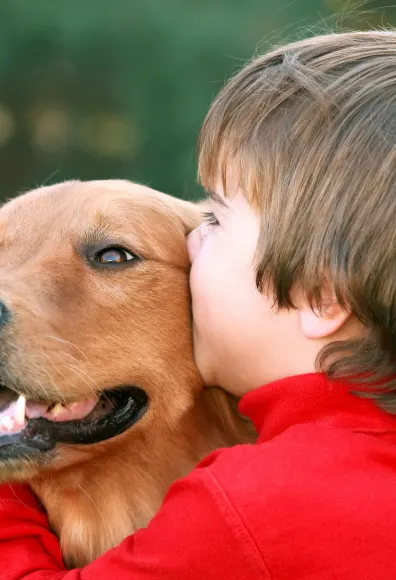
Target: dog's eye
(113, 256)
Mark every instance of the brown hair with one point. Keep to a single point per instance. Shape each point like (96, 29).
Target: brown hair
(310, 131)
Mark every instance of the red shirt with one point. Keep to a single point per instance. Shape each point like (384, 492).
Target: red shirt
(315, 499)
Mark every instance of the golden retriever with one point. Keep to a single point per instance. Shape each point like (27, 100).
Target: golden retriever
(101, 405)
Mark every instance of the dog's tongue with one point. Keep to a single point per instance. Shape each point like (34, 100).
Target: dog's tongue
(13, 418)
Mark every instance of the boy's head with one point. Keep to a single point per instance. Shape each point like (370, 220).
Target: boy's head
(300, 273)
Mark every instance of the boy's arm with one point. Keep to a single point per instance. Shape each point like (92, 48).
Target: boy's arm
(197, 534)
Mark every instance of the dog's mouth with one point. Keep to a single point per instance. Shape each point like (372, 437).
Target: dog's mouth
(27, 425)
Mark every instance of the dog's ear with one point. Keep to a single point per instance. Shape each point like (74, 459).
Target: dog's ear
(191, 214)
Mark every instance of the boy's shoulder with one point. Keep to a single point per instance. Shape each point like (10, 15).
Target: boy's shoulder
(311, 491)
(304, 461)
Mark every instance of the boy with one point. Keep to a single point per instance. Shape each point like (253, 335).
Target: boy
(293, 272)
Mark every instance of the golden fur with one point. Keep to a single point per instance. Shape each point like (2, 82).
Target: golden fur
(74, 331)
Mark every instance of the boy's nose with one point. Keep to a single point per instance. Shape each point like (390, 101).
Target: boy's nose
(193, 243)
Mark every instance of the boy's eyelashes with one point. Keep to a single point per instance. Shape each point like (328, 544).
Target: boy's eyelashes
(210, 218)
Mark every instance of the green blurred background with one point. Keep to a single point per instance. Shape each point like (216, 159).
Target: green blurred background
(92, 89)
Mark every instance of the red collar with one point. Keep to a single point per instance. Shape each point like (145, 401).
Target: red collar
(312, 398)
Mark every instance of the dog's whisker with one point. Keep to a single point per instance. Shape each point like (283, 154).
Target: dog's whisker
(85, 376)
(51, 378)
(63, 353)
(58, 369)
(74, 367)
(91, 499)
(67, 342)
(60, 354)
(44, 392)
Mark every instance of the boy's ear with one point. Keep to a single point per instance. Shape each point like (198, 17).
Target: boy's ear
(326, 320)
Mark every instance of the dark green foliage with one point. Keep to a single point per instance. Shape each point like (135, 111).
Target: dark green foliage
(92, 89)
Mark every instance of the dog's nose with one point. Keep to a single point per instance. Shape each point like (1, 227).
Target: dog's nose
(4, 313)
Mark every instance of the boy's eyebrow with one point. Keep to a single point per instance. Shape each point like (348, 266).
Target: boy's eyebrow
(217, 199)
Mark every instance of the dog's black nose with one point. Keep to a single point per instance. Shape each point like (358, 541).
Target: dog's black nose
(4, 314)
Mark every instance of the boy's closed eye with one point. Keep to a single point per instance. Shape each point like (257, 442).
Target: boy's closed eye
(210, 218)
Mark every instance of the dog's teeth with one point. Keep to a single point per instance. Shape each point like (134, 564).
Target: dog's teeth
(7, 423)
(20, 410)
(57, 409)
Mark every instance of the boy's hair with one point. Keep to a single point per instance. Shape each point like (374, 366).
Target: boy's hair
(309, 130)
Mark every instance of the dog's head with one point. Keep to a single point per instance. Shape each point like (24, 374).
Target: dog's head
(94, 319)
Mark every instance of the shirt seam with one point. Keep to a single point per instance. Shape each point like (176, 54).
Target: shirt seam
(359, 430)
(253, 544)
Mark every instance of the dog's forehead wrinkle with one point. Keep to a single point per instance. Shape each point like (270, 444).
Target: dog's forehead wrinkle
(114, 211)
(143, 223)
(114, 206)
